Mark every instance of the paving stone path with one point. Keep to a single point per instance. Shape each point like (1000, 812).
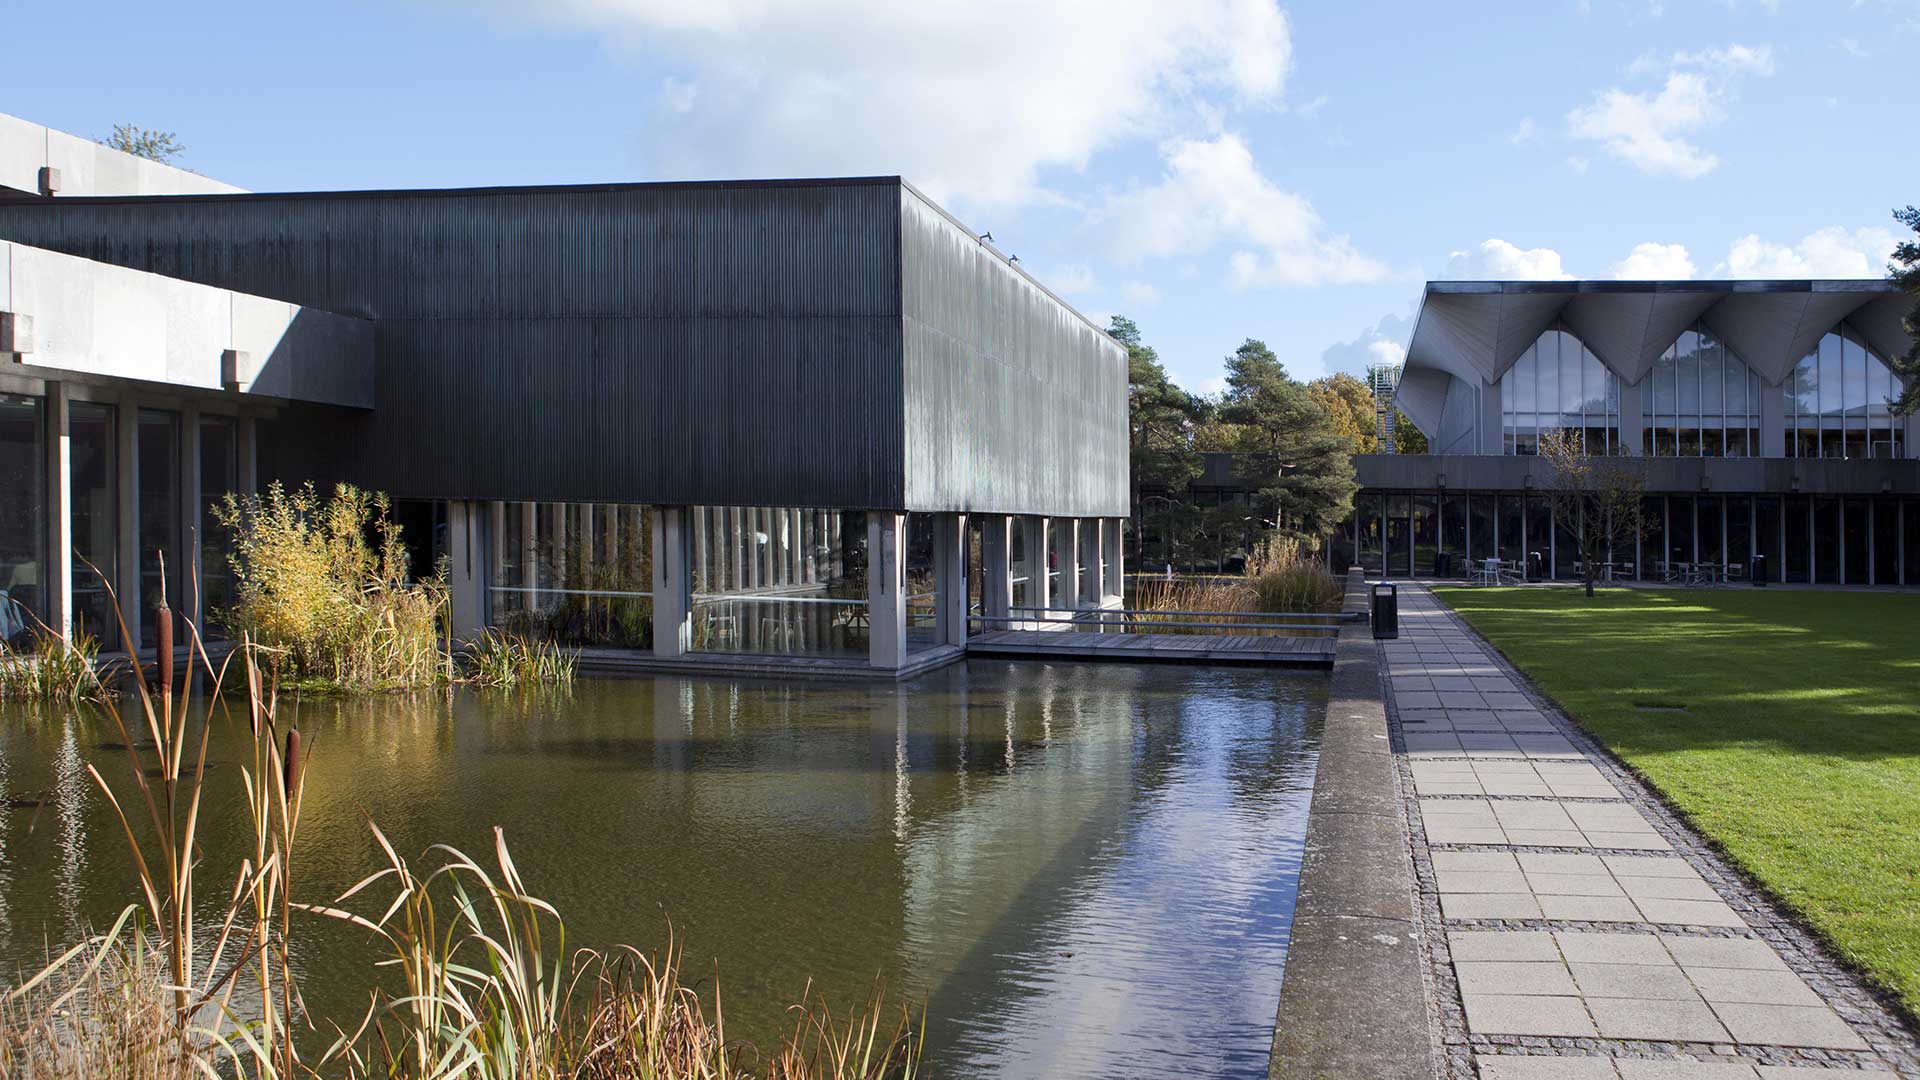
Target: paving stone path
(1577, 930)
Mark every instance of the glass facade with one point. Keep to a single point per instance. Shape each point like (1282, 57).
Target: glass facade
(580, 574)
(1559, 384)
(1827, 541)
(1700, 400)
(780, 581)
(23, 523)
(1838, 402)
(158, 477)
(95, 517)
(219, 476)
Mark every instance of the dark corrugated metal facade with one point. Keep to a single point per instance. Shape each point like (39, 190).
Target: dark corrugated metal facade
(753, 343)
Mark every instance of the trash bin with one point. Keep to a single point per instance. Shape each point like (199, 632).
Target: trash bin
(1757, 571)
(1443, 564)
(1386, 610)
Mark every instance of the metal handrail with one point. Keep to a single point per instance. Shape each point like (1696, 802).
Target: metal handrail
(1224, 614)
(1095, 619)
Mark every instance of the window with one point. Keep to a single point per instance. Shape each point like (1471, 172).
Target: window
(575, 573)
(1559, 384)
(22, 522)
(158, 529)
(1700, 400)
(94, 520)
(1838, 401)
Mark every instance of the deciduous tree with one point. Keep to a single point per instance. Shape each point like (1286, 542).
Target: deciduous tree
(1906, 274)
(1597, 498)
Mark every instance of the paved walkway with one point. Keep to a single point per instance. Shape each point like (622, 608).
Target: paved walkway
(1577, 929)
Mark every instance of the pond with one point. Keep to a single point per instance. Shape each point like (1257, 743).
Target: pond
(1080, 870)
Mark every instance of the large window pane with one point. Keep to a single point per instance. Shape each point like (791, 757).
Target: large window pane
(1653, 538)
(576, 573)
(1854, 535)
(1910, 553)
(219, 476)
(1766, 535)
(23, 534)
(1799, 539)
(1739, 530)
(95, 515)
(1399, 541)
(1367, 507)
(1886, 542)
(1482, 537)
(1539, 536)
(1513, 549)
(1426, 533)
(1827, 537)
(1453, 531)
(159, 502)
(788, 581)
(1680, 533)
(1708, 530)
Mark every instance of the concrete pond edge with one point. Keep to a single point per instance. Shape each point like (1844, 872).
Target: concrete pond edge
(1354, 994)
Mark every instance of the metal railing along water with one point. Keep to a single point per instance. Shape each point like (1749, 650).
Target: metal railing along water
(1149, 620)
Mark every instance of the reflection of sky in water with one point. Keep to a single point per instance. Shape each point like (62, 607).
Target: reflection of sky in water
(1083, 870)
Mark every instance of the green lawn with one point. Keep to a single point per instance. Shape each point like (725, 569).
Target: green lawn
(1785, 724)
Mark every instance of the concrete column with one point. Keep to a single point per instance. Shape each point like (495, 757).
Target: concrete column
(996, 570)
(1066, 560)
(1091, 534)
(58, 574)
(886, 588)
(1633, 419)
(125, 574)
(1033, 537)
(1773, 420)
(1490, 436)
(950, 578)
(192, 574)
(247, 435)
(466, 569)
(1115, 585)
(672, 582)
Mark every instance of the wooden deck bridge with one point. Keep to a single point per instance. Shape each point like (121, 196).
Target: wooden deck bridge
(1285, 639)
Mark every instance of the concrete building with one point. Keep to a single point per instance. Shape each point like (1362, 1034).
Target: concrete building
(1759, 408)
(703, 422)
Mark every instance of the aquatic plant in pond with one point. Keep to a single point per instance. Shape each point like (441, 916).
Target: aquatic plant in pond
(488, 988)
(51, 669)
(1279, 578)
(329, 606)
(504, 658)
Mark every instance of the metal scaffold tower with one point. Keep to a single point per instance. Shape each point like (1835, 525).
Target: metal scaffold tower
(1383, 379)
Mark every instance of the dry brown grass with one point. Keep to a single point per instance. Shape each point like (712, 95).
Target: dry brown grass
(1279, 578)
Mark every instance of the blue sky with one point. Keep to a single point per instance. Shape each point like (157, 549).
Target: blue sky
(1216, 169)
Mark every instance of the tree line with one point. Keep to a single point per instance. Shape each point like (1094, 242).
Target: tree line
(1292, 442)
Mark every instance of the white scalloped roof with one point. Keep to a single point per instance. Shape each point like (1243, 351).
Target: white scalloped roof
(1477, 329)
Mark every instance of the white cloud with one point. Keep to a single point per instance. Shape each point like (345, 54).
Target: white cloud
(1655, 262)
(974, 100)
(1312, 108)
(1139, 294)
(1211, 386)
(1214, 192)
(1526, 132)
(1498, 260)
(1070, 278)
(1832, 252)
(1653, 130)
(1385, 342)
(1577, 163)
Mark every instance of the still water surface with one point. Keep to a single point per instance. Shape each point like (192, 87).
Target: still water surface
(1082, 870)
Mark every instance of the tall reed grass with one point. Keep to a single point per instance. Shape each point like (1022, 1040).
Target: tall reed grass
(331, 607)
(51, 669)
(1280, 577)
(502, 658)
(479, 984)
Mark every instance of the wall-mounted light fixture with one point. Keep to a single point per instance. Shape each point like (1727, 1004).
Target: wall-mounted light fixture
(231, 361)
(49, 180)
(16, 334)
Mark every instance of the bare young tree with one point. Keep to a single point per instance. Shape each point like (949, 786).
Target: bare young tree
(1597, 497)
